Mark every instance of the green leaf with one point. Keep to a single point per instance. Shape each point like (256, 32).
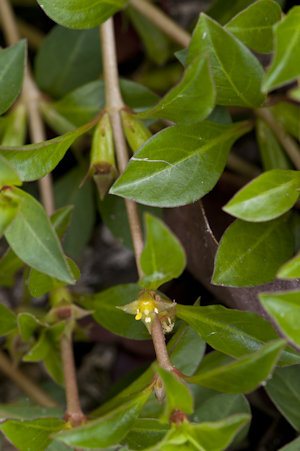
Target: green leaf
(8, 176)
(34, 161)
(82, 104)
(220, 115)
(233, 332)
(81, 13)
(9, 207)
(9, 265)
(285, 65)
(27, 325)
(230, 60)
(272, 154)
(33, 239)
(250, 254)
(292, 446)
(178, 165)
(28, 412)
(8, 320)
(178, 395)
(68, 59)
(163, 257)
(107, 430)
(253, 26)
(268, 196)
(33, 435)
(192, 100)
(12, 68)
(145, 433)
(291, 269)
(40, 283)
(239, 376)
(66, 192)
(288, 116)
(39, 350)
(223, 12)
(284, 391)
(284, 308)
(61, 220)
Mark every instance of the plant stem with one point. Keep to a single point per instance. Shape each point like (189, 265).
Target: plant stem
(162, 21)
(159, 343)
(30, 95)
(74, 412)
(287, 142)
(114, 103)
(33, 391)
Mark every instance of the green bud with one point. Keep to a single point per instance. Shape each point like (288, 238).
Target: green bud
(135, 131)
(15, 127)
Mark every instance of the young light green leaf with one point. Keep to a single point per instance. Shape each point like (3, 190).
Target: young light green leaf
(12, 67)
(250, 254)
(33, 435)
(145, 433)
(291, 269)
(163, 257)
(33, 239)
(272, 154)
(192, 100)
(179, 165)
(8, 176)
(268, 196)
(283, 389)
(285, 65)
(253, 26)
(284, 308)
(229, 60)
(107, 430)
(233, 332)
(81, 14)
(8, 320)
(34, 161)
(68, 59)
(240, 376)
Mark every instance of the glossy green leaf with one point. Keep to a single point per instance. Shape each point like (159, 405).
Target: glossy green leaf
(268, 196)
(230, 60)
(9, 265)
(250, 254)
(285, 65)
(28, 412)
(82, 104)
(288, 116)
(224, 12)
(32, 435)
(145, 433)
(192, 100)
(233, 332)
(66, 192)
(34, 161)
(8, 176)
(284, 391)
(8, 320)
(27, 325)
(9, 207)
(272, 154)
(68, 59)
(253, 26)
(61, 220)
(81, 13)
(12, 68)
(238, 376)
(178, 165)
(40, 283)
(291, 269)
(33, 239)
(284, 308)
(220, 115)
(163, 257)
(15, 132)
(107, 430)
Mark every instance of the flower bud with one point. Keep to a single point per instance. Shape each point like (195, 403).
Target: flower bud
(135, 131)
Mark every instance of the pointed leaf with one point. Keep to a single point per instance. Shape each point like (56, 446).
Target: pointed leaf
(250, 254)
(253, 26)
(192, 100)
(61, 220)
(291, 269)
(34, 161)
(8, 175)
(229, 60)
(163, 257)
(8, 320)
(12, 67)
(81, 13)
(285, 65)
(33, 239)
(233, 332)
(178, 165)
(239, 376)
(145, 433)
(268, 196)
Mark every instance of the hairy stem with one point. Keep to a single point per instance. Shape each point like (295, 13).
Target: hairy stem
(21, 380)
(30, 95)
(162, 21)
(288, 143)
(114, 103)
(159, 343)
